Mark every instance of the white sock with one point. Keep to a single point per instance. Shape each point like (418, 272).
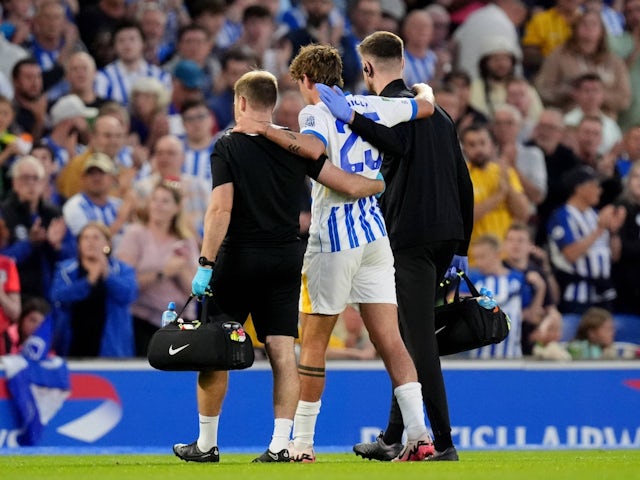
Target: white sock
(208, 437)
(304, 424)
(409, 398)
(281, 433)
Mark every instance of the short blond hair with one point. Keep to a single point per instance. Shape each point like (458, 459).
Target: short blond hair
(259, 87)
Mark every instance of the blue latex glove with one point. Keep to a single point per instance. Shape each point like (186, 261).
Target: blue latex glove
(335, 101)
(201, 280)
(384, 187)
(459, 263)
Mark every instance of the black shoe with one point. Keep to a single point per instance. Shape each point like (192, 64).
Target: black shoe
(269, 456)
(191, 453)
(450, 454)
(378, 450)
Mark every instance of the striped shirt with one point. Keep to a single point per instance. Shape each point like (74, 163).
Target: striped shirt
(568, 225)
(512, 295)
(337, 221)
(47, 60)
(114, 81)
(419, 70)
(229, 34)
(197, 162)
(80, 210)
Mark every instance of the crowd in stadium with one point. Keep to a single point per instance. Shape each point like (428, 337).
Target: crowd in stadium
(109, 111)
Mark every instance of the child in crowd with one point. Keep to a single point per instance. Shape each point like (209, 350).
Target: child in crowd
(594, 337)
(34, 311)
(547, 340)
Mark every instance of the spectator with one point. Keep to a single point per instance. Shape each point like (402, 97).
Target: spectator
(258, 31)
(392, 13)
(198, 140)
(527, 160)
(53, 40)
(195, 43)
(107, 137)
(520, 254)
(45, 154)
(17, 16)
(322, 28)
(460, 81)
(93, 295)
(583, 243)
(94, 202)
(96, 24)
(548, 135)
(520, 93)
(152, 18)
(630, 151)
(627, 47)
(232, 27)
(547, 340)
(584, 51)
(115, 80)
(29, 101)
(509, 291)
(588, 138)
(148, 111)
(164, 254)
(499, 198)
(32, 315)
(588, 95)
(167, 164)
(235, 63)
(419, 60)
(188, 79)
(9, 298)
(501, 18)
(625, 270)
(10, 144)
(545, 31)
(594, 337)
(10, 54)
(209, 14)
(37, 233)
(80, 74)
(70, 128)
(441, 39)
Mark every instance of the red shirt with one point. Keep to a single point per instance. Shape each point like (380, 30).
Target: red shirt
(10, 281)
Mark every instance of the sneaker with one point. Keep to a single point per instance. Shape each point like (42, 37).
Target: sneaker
(449, 454)
(378, 450)
(269, 456)
(191, 453)
(305, 455)
(416, 450)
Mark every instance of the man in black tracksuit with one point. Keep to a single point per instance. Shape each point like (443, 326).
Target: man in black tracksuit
(428, 208)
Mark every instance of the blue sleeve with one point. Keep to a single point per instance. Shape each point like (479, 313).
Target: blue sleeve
(19, 250)
(67, 292)
(559, 229)
(122, 285)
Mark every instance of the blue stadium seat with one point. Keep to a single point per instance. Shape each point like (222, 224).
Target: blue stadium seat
(627, 328)
(570, 323)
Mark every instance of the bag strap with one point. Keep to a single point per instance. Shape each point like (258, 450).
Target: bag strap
(470, 285)
(191, 296)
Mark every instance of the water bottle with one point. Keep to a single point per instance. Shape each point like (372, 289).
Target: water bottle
(486, 299)
(170, 314)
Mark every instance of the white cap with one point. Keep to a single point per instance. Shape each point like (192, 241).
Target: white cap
(70, 106)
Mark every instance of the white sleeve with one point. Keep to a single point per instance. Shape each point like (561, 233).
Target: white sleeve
(313, 120)
(101, 84)
(73, 216)
(390, 111)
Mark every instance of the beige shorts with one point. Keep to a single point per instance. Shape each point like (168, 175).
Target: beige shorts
(331, 280)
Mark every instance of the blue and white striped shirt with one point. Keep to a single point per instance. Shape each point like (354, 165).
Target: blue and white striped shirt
(197, 162)
(568, 225)
(339, 222)
(80, 210)
(114, 81)
(512, 295)
(419, 70)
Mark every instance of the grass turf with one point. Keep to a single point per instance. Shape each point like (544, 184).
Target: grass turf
(490, 465)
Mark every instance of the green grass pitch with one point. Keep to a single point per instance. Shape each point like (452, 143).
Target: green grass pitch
(489, 465)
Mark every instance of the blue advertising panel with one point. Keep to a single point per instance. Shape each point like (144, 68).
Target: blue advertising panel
(492, 404)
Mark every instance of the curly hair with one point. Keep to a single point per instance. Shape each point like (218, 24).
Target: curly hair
(320, 63)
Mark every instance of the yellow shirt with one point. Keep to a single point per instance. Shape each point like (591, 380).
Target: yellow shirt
(485, 184)
(547, 30)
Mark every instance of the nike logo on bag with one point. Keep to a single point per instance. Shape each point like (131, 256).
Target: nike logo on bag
(173, 351)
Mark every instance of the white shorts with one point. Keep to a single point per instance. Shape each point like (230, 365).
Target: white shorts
(331, 280)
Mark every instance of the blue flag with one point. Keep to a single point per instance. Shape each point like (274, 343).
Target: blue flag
(37, 382)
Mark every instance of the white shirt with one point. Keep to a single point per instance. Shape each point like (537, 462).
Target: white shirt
(339, 222)
(114, 81)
